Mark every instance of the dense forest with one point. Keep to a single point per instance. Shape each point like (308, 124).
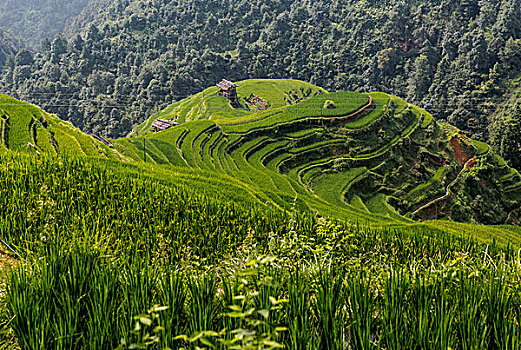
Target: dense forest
(8, 47)
(33, 20)
(455, 58)
(505, 130)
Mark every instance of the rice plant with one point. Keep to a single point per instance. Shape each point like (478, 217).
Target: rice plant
(113, 258)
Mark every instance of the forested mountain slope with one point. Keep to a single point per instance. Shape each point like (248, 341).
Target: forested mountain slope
(8, 47)
(505, 129)
(451, 57)
(33, 20)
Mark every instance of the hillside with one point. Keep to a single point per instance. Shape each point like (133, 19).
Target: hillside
(451, 57)
(27, 128)
(8, 47)
(114, 254)
(373, 158)
(34, 20)
(505, 128)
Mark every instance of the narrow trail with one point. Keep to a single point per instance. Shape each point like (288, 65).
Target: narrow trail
(510, 216)
(359, 111)
(449, 186)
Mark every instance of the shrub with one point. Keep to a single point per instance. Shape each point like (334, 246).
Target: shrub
(329, 104)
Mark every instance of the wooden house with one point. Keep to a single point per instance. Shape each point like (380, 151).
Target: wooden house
(229, 90)
(163, 124)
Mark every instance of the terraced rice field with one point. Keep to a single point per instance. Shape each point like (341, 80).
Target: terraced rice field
(211, 225)
(370, 159)
(332, 161)
(33, 130)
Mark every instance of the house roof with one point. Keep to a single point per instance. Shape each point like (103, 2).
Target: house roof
(226, 84)
(163, 124)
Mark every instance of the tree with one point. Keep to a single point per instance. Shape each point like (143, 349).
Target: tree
(420, 78)
(510, 56)
(506, 133)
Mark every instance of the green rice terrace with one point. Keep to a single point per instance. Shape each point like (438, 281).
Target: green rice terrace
(282, 216)
(372, 158)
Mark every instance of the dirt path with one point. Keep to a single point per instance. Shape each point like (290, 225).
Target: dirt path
(510, 216)
(447, 192)
(359, 111)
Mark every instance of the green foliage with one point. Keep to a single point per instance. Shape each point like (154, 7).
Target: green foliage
(505, 130)
(28, 128)
(35, 20)
(8, 47)
(302, 149)
(329, 104)
(123, 67)
(360, 278)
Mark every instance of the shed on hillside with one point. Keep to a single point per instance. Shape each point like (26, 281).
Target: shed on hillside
(163, 124)
(229, 90)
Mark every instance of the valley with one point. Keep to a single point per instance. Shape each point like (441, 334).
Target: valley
(260, 174)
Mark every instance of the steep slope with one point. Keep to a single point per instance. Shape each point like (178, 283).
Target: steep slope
(8, 47)
(370, 158)
(373, 157)
(104, 249)
(33, 20)
(27, 128)
(449, 56)
(505, 128)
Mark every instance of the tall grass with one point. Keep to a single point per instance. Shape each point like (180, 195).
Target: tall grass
(80, 299)
(302, 329)
(114, 260)
(329, 309)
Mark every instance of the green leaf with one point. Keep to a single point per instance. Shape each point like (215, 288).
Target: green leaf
(195, 337)
(181, 337)
(251, 263)
(264, 313)
(158, 329)
(268, 259)
(207, 342)
(235, 308)
(210, 334)
(249, 272)
(273, 344)
(158, 308)
(146, 321)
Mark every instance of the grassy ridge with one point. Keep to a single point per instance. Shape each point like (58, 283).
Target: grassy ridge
(32, 129)
(277, 154)
(289, 231)
(209, 105)
(262, 148)
(104, 258)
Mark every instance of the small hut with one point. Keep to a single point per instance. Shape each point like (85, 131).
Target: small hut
(163, 124)
(229, 90)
